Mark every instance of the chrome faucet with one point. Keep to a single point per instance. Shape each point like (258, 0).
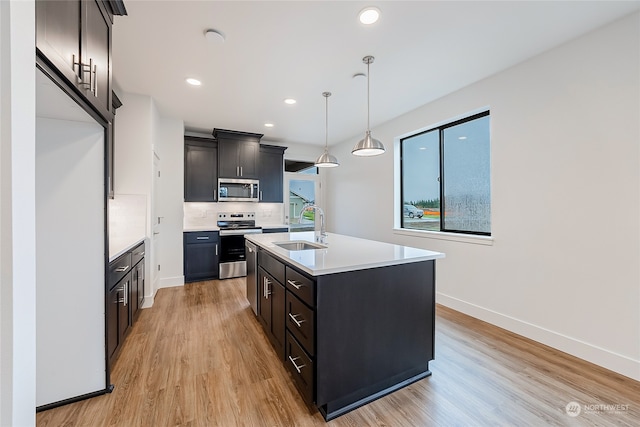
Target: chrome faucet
(321, 234)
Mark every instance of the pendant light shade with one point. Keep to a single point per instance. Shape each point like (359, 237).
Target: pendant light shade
(326, 160)
(368, 146)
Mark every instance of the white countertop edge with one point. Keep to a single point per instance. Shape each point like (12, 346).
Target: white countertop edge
(284, 255)
(122, 248)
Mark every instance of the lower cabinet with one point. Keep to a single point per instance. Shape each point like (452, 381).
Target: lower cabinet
(124, 298)
(271, 310)
(201, 255)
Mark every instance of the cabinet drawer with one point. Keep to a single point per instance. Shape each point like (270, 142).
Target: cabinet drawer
(300, 322)
(119, 268)
(302, 286)
(200, 237)
(137, 254)
(300, 365)
(271, 265)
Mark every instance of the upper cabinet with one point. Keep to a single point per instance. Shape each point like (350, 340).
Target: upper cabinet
(200, 169)
(238, 153)
(271, 173)
(73, 37)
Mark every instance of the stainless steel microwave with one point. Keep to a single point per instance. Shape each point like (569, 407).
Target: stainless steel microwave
(238, 190)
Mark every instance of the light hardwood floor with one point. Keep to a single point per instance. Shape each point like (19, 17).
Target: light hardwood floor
(200, 358)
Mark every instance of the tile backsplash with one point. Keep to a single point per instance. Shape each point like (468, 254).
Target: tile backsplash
(127, 216)
(206, 214)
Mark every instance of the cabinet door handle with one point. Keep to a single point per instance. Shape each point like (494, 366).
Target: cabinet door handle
(295, 284)
(260, 194)
(293, 362)
(237, 170)
(241, 171)
(122, 269)
(126, 294)
(296, 321)
(216, 249)
(267, 291)
(202, 238)
(95, 78)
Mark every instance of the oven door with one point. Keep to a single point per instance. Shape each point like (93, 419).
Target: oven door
(232, 248)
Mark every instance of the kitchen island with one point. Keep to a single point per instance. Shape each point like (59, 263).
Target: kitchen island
(352, 319)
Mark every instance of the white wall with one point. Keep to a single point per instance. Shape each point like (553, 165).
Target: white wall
(563, 267)
(17, 213)
(140, 131)
(171, 151)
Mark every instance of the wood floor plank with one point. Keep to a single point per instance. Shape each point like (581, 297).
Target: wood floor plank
(199, 358)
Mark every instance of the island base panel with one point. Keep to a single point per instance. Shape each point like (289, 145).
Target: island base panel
(347, 404)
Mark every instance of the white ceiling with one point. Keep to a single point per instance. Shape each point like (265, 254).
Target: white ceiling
(274, 50)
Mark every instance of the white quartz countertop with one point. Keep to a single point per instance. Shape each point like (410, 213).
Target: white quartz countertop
(120, 245)
(343, 253)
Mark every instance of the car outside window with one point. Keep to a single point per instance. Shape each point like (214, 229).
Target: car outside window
(446, 177)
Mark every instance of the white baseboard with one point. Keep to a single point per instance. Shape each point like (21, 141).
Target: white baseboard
(602, 357)
(170, 282)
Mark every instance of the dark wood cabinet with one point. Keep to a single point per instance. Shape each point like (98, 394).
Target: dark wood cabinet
(201, 258)
(74, 37)
(271, 310)
(200, 170)
(238, 153)
(349, 337)
(136, 296)
(118, 316)
(271, 173)
(125, 296)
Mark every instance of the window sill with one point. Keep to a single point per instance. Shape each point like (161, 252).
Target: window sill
(454, 237)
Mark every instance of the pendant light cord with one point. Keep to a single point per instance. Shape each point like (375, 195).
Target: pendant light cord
(368, 112)
(326, 125)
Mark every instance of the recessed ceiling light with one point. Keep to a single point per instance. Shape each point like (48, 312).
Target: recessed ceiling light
(369, 15)
(462, 138)
(422, 148)
(214, 36)
(290, 101)
(194, 82)
(268, 125)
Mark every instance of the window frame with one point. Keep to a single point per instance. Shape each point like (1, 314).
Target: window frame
(441, 130)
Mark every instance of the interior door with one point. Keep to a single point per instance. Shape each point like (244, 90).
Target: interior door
(157, 224)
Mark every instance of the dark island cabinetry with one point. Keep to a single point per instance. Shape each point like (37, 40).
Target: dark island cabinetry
(350, 337)
(200, 169)
(271, 303)
(201, 255)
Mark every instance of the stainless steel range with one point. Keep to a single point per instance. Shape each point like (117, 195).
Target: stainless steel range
(233, 226)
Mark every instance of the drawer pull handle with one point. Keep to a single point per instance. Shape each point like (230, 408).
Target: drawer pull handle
(122, 269)
(296, 321)
(293, 362)
(202, 238)
(295, 284)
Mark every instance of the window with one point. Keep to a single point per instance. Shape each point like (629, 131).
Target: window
(446, 178)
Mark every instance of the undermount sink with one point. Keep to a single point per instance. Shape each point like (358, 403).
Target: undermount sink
(299, 245)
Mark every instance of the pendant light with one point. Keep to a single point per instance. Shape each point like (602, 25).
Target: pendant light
(326, 160)
(368, 146)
